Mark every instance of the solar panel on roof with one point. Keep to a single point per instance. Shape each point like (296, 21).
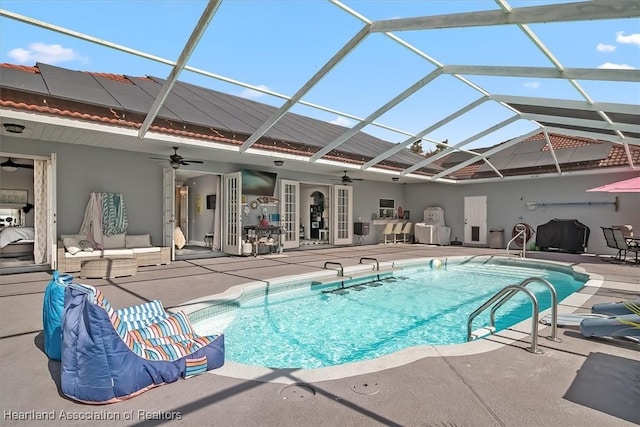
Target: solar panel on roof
(591, 152)
(499, 162)
(76, 86)
(632, 119)
(530, 146)
(182, 108)
(129, 96)
(545, 159)
(152, 89)
(632, 134)
(246, 123)
(520, 161)
(582, 128)
(18, 79)
(508, 151)
(227, 121)
(555, 111)
(456, 157)
(564, 155)
(305, 131)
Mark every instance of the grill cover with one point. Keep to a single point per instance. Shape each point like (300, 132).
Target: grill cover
(564, 234)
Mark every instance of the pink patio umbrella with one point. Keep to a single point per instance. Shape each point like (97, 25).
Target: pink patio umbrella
(631, 185)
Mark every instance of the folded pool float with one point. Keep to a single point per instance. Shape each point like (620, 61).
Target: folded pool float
(626, 325)
(616, 308)
(104, 360)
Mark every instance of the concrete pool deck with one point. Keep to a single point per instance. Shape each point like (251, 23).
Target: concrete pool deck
(576, 382)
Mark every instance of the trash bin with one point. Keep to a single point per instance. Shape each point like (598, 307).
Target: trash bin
(496, 238)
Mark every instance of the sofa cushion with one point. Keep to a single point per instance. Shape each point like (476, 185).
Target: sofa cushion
(137, 241)
(113, 242)
(72, 245)
(150, 250)
(83, 254)
(117, 252)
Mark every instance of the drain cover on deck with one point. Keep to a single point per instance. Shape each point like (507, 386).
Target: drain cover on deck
(365, 387)
(297, 392)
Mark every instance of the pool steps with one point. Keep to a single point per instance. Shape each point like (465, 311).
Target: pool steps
(353, 276)
(482, 332)
(375, 271)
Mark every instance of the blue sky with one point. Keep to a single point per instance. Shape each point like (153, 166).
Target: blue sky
(279, 45)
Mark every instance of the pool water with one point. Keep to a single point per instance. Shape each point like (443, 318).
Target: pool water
(313, 327)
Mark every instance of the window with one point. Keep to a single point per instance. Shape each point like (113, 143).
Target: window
(387, 208)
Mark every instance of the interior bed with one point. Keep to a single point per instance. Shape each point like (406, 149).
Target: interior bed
(16, 242)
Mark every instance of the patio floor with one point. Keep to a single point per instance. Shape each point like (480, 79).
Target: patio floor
(576, 382)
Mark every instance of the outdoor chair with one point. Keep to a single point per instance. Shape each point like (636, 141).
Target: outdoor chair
(406, 231)
(623, 245)
(397, 231)
(611, 243)
(388, 231)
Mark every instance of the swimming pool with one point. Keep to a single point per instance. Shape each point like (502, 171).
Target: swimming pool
(299, 325)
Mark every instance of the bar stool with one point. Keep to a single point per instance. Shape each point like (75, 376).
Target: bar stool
(397, 230)
(406, 231)
(388, 231)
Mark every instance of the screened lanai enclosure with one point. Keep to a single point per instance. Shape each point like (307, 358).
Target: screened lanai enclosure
(462, 83)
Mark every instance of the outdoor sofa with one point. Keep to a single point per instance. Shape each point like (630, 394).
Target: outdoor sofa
(73, 249)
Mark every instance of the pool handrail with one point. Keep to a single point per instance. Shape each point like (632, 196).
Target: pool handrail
(522, 232)
(341, 270)
(501, 294)
(371, 259)
(554, 305)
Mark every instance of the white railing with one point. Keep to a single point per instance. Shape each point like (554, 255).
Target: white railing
(521, 232)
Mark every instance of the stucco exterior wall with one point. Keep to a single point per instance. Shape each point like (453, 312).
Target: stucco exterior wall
(83, 169)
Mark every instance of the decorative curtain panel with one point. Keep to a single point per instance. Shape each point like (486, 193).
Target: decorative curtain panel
(217, 217)
(40, 212)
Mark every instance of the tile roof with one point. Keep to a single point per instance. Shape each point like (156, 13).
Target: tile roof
(616, 157)
(228, 119)
(207, 109)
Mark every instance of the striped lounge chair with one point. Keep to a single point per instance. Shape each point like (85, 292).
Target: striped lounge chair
(112, 355)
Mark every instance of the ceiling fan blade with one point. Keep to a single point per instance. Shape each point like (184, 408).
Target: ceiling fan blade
(11, 164)
(158, 158)
(192, 161)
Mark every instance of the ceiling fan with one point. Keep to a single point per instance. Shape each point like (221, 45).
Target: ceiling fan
(9, 165)
(176, 160)
(346, 179)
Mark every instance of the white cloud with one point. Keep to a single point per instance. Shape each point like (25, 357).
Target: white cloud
(612, 66)
(41, 52)
(253, 94)
(342, 121)
(605, 47)
(630, 39)
(532, 85)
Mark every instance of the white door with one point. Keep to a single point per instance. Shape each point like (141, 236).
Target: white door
(184, 211)
(52, 212)
(475, 220)
(169, 209)
(341, 231)
(289, 216)
(232, 215)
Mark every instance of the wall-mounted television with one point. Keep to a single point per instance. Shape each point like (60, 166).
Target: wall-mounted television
(211, 201)
(258, 183)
